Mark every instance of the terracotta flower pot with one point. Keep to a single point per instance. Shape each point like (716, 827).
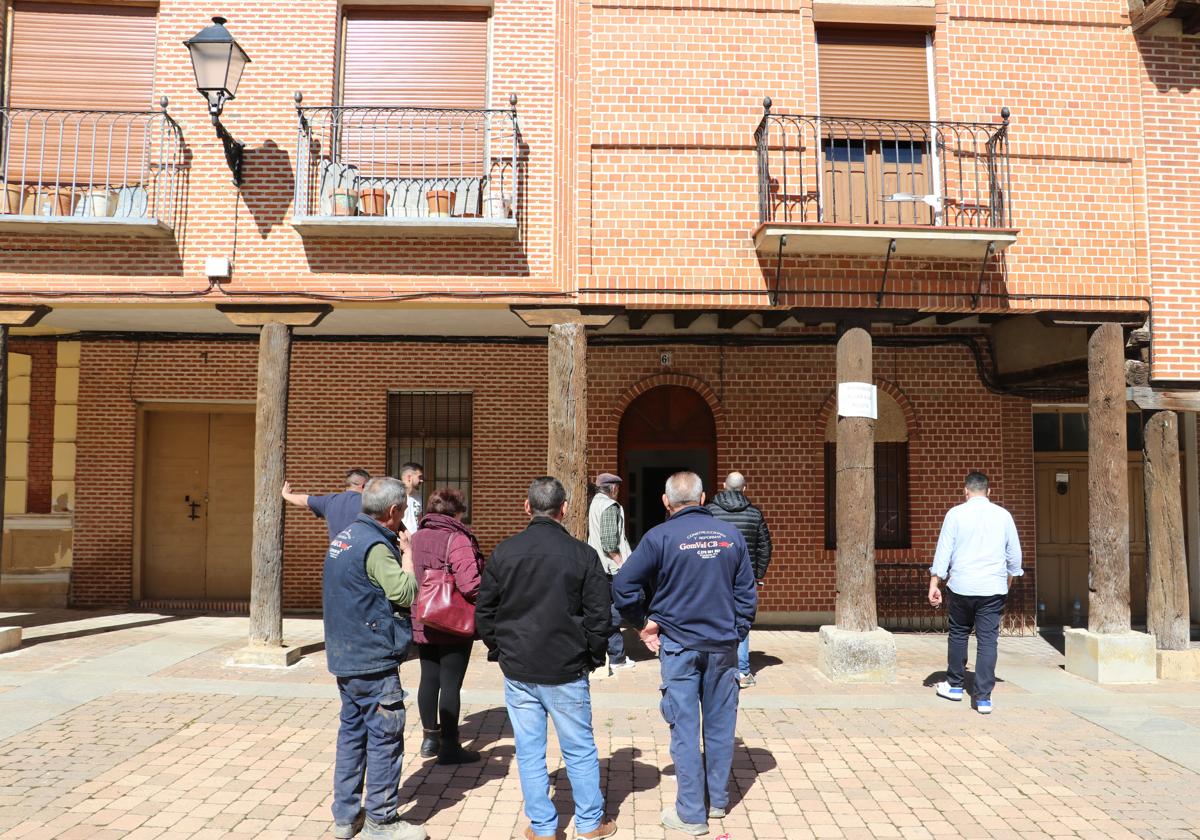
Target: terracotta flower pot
(48, 201)
(372, 202)
(11, 199)
(345, 202)
(439, 202)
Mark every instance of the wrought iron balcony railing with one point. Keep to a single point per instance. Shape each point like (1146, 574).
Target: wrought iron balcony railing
(90, 169)
(439, 171)
(845, 171)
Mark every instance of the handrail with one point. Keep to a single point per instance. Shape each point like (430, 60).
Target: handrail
(407, 162)
(852, 170)
(90, 164)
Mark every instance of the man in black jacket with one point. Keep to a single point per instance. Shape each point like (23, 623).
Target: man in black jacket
(544, 611)
(732, 506)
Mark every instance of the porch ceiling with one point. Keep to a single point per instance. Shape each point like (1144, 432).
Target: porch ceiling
(963, 243)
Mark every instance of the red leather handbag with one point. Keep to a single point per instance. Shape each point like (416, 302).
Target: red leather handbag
(440, 605)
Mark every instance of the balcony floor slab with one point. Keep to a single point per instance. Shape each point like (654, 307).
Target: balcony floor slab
(954, 243)
(99, 226)
(389, 226)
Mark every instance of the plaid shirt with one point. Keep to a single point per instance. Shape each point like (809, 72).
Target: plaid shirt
(610, 529)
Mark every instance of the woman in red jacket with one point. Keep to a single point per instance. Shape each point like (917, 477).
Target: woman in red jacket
(443, 537)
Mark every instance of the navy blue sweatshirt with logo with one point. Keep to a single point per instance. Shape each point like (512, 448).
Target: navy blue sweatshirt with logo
(695, 572)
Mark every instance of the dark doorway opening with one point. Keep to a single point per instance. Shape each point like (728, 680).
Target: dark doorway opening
(667, 429)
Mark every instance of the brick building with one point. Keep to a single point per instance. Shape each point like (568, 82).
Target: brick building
(717, 191)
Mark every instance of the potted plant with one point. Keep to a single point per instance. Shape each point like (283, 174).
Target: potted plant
(372, 202)
(98, 202)
(345, 202)
(51, 201)
(439, 202)
(11, 200)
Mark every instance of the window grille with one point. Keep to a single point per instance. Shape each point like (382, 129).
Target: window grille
(892, 513)
(433, 429)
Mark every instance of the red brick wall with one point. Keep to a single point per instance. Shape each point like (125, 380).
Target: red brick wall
(769, 403)
(44, 361)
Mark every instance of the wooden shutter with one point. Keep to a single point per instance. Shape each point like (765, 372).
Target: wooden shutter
(430, 59)
(877, 74)
(68, 56)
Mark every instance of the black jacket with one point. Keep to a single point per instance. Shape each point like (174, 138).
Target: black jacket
(544, 608)
(733, 507)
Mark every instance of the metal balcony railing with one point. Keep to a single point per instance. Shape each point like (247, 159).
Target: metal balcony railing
(846, 171)
(90, 166)
(435, 165)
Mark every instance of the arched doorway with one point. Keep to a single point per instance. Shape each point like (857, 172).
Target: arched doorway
(667, 429)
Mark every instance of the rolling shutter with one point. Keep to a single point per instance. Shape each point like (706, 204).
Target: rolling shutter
(430, 59)
(872, 73)
(68, 56)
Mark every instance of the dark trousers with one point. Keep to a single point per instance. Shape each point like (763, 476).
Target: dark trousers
(616, 642)
(443, 668)
(983, 613)
(370, 743)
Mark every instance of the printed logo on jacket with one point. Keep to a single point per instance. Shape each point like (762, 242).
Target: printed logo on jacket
(705, 544)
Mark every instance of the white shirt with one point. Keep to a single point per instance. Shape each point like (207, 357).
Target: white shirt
(978, 549)
(412, 514)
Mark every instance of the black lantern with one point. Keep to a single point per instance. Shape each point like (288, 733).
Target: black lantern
(218, 62)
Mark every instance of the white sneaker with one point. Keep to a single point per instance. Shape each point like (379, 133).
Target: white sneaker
(627, 665)
(944, 689)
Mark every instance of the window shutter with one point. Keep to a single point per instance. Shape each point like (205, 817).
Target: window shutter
(430, 59)
(68, 56)
(874, 74)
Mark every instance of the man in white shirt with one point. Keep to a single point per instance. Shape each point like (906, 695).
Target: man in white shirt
(412, 474)
(978, 555)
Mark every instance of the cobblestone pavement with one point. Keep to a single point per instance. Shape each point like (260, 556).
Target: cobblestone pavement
(135, 725)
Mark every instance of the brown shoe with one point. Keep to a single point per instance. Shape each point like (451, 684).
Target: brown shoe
(529, 835)
(607, 828)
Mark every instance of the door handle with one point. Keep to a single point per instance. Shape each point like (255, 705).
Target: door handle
(192, 505)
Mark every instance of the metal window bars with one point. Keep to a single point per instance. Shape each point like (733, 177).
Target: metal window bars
(91, 164)
(849, 171)
(407, 162)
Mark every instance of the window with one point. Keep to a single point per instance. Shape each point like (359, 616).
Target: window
(433, 429)
(892, 511)
(875, 92)
(56, 65)
(1066, 430)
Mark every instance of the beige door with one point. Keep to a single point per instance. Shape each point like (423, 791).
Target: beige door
(198, 505)
(1062, 536)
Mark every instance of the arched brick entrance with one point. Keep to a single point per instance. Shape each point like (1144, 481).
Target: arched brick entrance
(663, 430)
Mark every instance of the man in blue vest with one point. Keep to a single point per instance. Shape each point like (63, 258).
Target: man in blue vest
(367, 589)
(695, 571)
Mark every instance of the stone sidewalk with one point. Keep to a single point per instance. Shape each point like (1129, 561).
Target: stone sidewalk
(134, 725)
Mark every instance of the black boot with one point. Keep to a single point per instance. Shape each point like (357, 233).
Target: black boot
(453, 753)
(431, 744)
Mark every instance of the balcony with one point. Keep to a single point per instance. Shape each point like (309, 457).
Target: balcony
(880, 188)
(90, 172)
(408, 172)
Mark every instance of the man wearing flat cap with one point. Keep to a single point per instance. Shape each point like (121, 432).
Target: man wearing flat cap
(606, 534)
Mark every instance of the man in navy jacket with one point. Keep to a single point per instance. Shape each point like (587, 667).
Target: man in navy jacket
(695, 572)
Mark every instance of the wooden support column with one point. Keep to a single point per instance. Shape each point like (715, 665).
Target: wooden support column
(1166, 560)
(567, 451)
(1108, 483)
(855, 494)
(1191, 478)
(270, 459)
(270, 452)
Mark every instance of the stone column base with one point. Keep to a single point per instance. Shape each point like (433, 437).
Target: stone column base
(10, 638)
(1110, 657)
(857, 656)
(1179, 665)
(266, 656)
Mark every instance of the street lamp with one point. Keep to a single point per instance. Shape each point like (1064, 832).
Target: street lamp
(218, 62)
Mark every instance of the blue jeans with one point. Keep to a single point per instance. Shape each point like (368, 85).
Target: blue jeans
(983, 612)
(744, 655)
(616, 642)
(570, 707)
(370, 741)
(695, 681)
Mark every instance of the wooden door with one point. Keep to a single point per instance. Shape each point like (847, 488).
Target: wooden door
(1062, 537)
(198, 505)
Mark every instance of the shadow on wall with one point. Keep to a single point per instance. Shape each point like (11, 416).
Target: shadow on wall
(267, 181)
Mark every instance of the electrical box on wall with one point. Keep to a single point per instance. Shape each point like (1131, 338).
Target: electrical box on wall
(216, 268)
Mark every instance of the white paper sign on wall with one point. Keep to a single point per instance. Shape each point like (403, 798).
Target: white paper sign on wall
(857, 399)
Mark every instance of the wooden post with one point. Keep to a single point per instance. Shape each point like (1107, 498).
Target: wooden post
(1166, 559)
(3, 419)
(1108, 483)
(270, 446)
(567, 453)
(855, 493)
